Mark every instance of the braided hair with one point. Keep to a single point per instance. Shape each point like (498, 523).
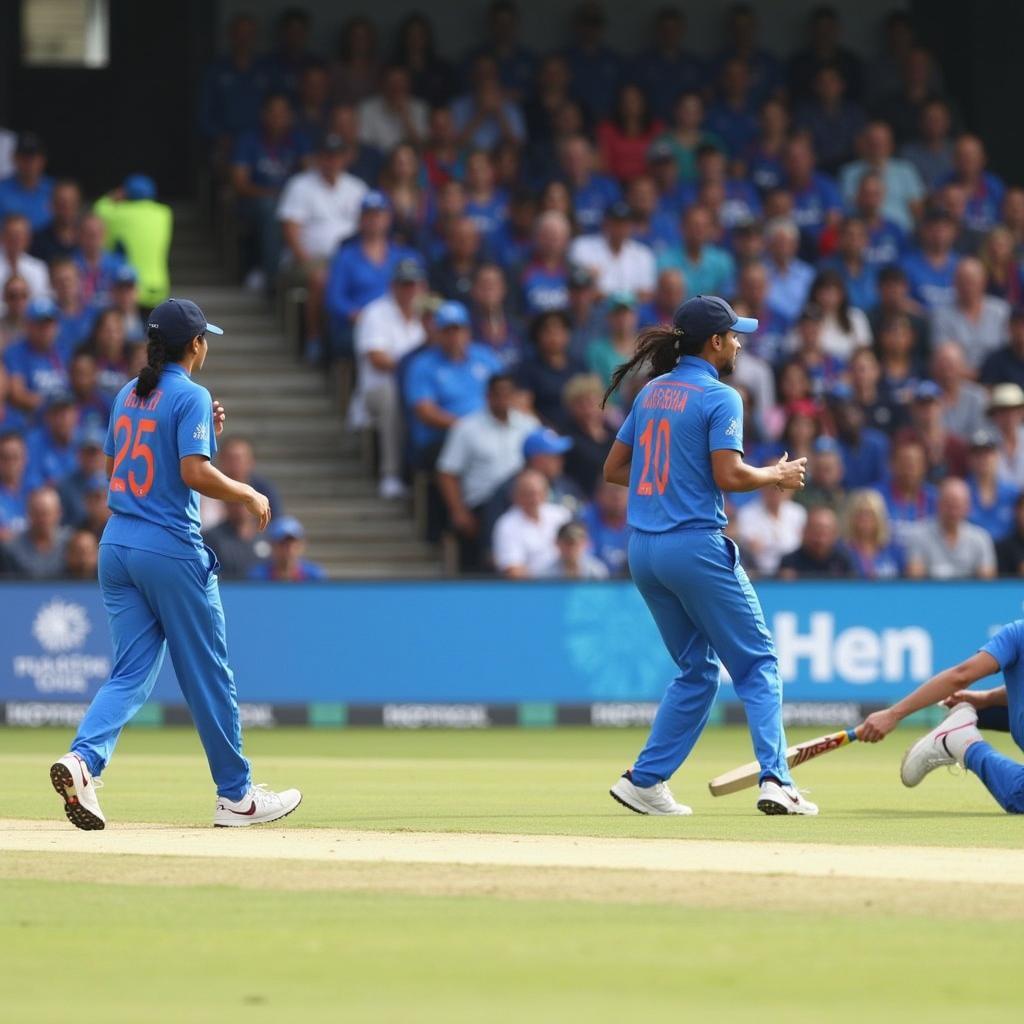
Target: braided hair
(159, 352)
(661, 347)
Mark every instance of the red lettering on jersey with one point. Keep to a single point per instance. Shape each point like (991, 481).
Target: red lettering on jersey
(147, 404)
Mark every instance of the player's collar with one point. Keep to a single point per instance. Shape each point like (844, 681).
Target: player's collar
(699, 363)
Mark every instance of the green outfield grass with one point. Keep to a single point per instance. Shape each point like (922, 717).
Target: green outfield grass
(514, 780)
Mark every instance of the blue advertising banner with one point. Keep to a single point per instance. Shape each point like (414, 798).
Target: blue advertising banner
(496, 642)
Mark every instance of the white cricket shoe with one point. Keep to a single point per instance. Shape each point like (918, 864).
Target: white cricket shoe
(75, 785)
(656, 799)
(779, 799)
(258, 806)
(944, 745)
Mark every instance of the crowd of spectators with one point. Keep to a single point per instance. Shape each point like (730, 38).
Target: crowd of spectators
(482, 239)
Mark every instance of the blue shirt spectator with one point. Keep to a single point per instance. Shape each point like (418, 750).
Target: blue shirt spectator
(596, 70)
(13, 486)
(270, 162)
(233, 86)
(865, 458)
(931, 283)
(609, 533)
(516, 64)
(886, 244)
(592, 193)
(904, 189)
(286, 564)
(28, 190)
(484, 117)
(993, 499)
(544, 288)
(34, 365)
(734, 117)
(665, 70)
(52, 447)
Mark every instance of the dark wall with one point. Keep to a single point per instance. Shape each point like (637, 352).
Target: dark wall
(137, 114)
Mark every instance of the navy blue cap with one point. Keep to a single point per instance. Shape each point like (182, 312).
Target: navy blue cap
(619, 210)
(927, 391)
(451, 314)
(376, 200)
(284, 528)
(545, 442)
(408, 271)
(704, 315)
(59, 400)
(180, 320)
(42, 307)
(139, 186)
(125, 274)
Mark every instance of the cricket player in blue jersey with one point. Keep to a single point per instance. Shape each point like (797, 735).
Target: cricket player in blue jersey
(159, 580)
(679, 448)
(957, 740)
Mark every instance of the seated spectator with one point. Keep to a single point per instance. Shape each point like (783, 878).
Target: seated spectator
(524, 543)
(34, 366)
(312, 100)
(901, 105)
(124, 297)
(237, 543)
(286, 564)
(931, 151)
(1006, 411)
(820, 553)
(733, 117)
(860, 278)
(401, 182)
(452, 274)
(13, 304)
(37, 552)
(789, 279)
(909, 498)
(624, 138)
(589, 429)
(445, 381)
(844, 327)
(767, 342)
(887, 241)
(904, 190)
(544, 282)
(894, 300)
(486, 203)
(617, 261)
(824, 371)
(741, 35)
(992, 499)
(825, 48)
(946, 453)
(59, 239)
(657, 230)
(666, 67)
(394, 115)
(1010, 550)
(963, 401)
(592, 194)
(13, 488)
(574, 560)
(52, 448)
(707, 269)
(92, 403)
(15, 261)
(515, 63)
(96, 512)
(618, 346)
(386, 331)
(764, 157)
(262, 162)
(513, 245)
(672, 194)
(825, 477)
(141, 227)
(880, 410)
(669, 295)
(548, 96)
(547, 367)
(605, 520)
(833, 121)
(900, 370)
(97, 265)
(236, 459)
(1004, 277)
(364, 162)
(769, 527)
(596, 68)
(984, 190)
(11, 420)
(319, 209)
(544, 450)
(586, 311)
(81, 556)
(931, 268)
(947, 546)
(75, 317)
(486, 116)
(865, 450)
(481, 452)
(873, 556)
(433, 78)
(106, 344)
(1006, 364)
(89, 466)
(361, 271)
(817, 207)
(978, 322)
(491, 324)
(28, 191)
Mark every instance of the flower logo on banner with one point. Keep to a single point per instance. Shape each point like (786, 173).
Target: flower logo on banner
(61, 626)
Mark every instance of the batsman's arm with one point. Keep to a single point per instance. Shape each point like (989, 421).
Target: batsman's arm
(877, 726)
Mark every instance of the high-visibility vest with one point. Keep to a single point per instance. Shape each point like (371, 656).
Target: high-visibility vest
(142, 229)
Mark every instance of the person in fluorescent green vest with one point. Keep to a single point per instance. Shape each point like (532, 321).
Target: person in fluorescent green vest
(141, 227)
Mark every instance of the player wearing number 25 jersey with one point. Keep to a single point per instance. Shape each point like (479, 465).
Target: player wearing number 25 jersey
(680, 446)
(159, 580)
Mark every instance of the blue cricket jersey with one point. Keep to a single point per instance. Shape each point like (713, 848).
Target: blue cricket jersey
(1006, 647)
(147, 438)
(675, 424)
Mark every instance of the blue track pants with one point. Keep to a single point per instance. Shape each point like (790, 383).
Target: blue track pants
(155, 603)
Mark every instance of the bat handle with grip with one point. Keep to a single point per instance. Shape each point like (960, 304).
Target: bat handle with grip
(852, 735)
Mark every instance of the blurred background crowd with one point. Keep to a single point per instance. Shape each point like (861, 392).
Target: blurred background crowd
(476, 244)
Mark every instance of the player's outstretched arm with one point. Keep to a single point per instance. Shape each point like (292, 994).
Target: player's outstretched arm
(201, 475)
(936, 690)
(731, 473)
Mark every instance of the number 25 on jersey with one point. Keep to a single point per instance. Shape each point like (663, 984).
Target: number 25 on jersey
(139, 451)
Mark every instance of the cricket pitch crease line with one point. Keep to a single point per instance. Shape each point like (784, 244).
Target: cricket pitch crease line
(812, 860)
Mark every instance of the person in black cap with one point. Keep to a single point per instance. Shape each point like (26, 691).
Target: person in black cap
(159, 580)
(28, 190)
(679, 449)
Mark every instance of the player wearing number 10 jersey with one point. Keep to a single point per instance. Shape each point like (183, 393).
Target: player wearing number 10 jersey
(159, 580)
(679, 448)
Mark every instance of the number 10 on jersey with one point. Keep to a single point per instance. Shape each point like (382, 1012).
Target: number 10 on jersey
(656, 441)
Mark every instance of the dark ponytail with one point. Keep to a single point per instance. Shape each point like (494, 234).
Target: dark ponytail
(159, 352)
(659, 346)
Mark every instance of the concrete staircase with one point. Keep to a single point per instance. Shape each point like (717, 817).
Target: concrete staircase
(291, 416)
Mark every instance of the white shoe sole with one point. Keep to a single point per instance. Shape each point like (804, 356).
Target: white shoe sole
(79, 816)
(242, 823)
(645, 809)
(925, 741)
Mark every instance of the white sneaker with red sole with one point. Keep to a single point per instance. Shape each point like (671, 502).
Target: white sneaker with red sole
(75, 785)
(941, 747)
(257, 807)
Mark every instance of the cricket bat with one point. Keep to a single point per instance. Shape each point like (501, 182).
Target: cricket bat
(748, 774)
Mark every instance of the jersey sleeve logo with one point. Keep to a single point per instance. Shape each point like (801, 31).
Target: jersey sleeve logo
(201, 433)
(733, 430)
